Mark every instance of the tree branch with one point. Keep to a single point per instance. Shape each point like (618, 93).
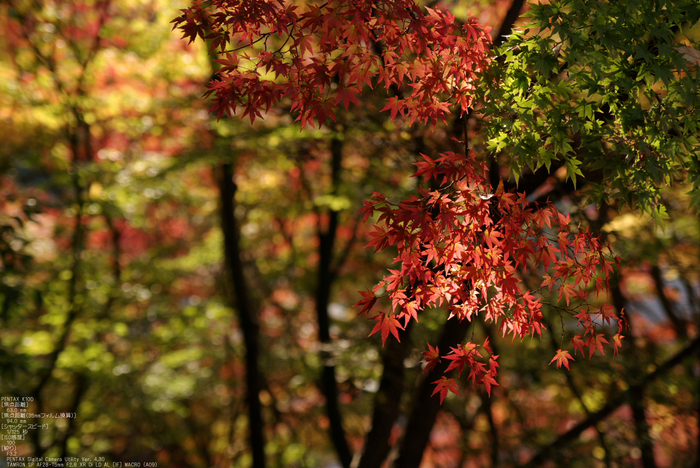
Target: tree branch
(676, 321)
(612, 405)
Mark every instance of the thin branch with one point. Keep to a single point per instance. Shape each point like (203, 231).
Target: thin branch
(669, 308)
(569, 378)
(612, 405)
(347, 248)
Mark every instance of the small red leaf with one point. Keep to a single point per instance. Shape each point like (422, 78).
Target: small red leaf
(598, 342)
(562, 357)
(443, 386)
(432, 358)
(387, 324)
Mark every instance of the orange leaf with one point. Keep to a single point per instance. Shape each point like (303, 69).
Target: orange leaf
(562, 357)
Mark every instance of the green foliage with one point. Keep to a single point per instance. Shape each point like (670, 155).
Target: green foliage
(608, 91)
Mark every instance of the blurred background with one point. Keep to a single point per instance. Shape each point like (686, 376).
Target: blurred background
(118, 284)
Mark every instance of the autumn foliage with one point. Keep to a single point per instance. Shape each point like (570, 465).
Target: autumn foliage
(463, 248)
(320, 57)
(460, 246)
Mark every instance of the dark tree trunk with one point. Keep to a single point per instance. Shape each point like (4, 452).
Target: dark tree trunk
(512, 16)
(325, 278)
(425, 407)
(387, 402)
(247, 316)
(636, 393)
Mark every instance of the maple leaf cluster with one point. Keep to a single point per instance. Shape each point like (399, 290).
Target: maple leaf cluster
(464, 355)
(320, 57)
(464, 249)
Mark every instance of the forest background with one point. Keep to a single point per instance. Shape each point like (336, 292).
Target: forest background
(158, 262)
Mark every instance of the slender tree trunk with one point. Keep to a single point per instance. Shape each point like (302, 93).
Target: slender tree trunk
(79, 146)
(425, 407)
(512, 16)
(325, 278)
(387, 402)
(81, 387)
(247, 316)
(247, 311)
(636, 393)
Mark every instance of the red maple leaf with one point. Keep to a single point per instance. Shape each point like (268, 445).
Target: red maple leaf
(548, 281)
(387, 324)
(607, 313)
(460, 356)
(562, 357)
(489, 380)
(432, 358)
(443, 386)
(347, 95)
(396, 106)
(617, 343)
(597, 343)
(579, 344)
(367, 302)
